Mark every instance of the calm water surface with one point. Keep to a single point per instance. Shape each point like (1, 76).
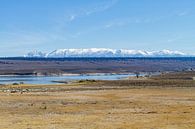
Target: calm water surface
(49, 79)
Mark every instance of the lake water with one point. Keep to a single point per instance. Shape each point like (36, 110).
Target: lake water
(49, 79)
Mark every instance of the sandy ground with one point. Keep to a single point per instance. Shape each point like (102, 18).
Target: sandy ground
(143, 108)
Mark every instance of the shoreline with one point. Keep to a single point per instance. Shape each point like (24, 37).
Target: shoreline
(84, 74)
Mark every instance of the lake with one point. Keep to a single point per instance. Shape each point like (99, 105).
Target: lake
(49, 79)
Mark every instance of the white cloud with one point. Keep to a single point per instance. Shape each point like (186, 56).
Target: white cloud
(126, 21)
(62, 22)
(183, 13)
(72, 17)
(114, 24)
(92, 9)
(101, 7)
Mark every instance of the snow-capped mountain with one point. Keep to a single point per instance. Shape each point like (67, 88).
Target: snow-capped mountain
(35, 54)
(104, 52)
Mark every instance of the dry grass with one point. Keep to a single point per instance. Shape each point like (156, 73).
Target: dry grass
(166, 108)
(155, 103)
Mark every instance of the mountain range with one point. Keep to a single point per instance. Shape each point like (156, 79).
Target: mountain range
(104, 52)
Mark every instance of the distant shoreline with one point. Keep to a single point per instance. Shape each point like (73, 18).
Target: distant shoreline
(84, 66)
(85, 74)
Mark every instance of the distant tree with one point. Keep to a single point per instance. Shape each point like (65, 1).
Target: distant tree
(15, 84)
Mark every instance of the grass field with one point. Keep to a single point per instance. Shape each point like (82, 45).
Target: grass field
(153, 103)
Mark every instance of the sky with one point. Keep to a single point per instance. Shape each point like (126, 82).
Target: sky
(46, 25)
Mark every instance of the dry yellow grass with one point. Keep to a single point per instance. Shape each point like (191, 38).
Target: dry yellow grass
(143, 108)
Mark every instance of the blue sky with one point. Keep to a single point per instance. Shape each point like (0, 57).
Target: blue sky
(45, 25)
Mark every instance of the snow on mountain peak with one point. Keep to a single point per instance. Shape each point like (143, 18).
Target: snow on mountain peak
(104, 52)
(35, 54)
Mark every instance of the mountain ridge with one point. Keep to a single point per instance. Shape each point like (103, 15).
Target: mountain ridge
(104, 52)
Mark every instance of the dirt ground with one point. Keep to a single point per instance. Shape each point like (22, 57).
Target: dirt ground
(136, 108)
